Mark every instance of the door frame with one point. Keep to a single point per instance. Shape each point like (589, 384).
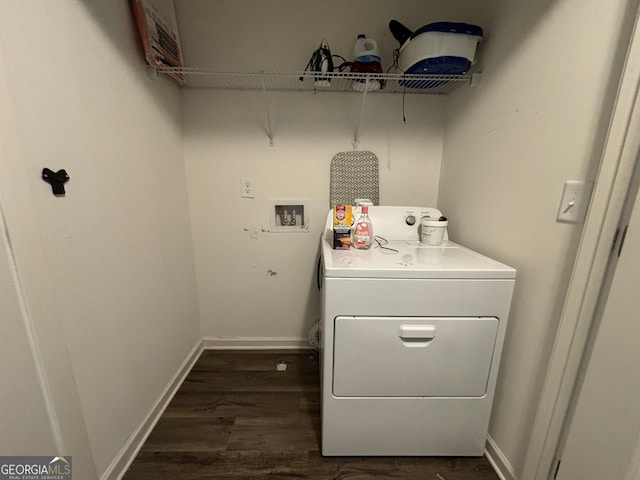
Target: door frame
(619, 156)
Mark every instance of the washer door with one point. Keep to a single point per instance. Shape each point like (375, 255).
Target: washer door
(413, 356)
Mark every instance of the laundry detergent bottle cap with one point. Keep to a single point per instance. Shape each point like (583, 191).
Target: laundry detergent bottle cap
(366, 49)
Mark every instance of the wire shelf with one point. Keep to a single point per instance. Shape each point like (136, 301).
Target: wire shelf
(375, 83)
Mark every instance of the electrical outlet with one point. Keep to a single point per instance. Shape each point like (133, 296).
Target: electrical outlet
(575, 201)
(246, 187)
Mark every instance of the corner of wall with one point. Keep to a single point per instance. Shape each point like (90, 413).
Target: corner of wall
(135, 442)
(499, 461)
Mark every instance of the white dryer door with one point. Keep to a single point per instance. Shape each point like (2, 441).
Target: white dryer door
(413, 356)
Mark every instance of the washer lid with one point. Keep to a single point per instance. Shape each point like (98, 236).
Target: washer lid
(411, 259)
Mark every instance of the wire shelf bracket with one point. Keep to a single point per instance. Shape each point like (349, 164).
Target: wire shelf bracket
(266, 105)
(356, 135)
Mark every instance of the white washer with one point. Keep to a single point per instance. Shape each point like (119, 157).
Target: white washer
(411, 342)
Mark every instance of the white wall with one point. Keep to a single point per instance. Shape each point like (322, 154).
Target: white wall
(41, 412)
(117, 249)
(224, 141)
(24, 418)
(537, 120)
(251, 35)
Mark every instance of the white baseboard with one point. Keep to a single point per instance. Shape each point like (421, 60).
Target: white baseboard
(498, 461)
(255, 343)
(128, 453)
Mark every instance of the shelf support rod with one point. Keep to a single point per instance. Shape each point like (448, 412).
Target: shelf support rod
(152, 72)
(476, 78)
(266, 104)
(356, 140)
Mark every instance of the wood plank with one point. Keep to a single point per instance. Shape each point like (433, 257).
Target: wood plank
(234, 404)
(157, 466)
(189, 435)
(250, 381)
(251, 360)
(284, 434)
(418, 468)
(218, 466)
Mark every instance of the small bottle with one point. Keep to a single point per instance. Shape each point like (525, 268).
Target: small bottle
(362, 232)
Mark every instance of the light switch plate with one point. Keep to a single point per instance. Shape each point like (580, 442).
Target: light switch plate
(574, 204)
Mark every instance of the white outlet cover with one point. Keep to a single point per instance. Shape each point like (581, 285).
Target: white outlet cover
(246, 187)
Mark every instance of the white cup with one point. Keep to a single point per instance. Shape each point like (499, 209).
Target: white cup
(432, 231)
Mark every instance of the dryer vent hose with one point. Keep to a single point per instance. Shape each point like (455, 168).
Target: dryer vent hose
(315, 335)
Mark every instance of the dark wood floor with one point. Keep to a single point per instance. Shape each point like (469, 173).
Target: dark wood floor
(238, 417)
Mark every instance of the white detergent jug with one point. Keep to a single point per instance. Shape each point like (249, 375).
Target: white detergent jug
(366, 49)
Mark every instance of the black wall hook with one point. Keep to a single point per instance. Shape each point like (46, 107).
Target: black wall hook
(56, 180)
